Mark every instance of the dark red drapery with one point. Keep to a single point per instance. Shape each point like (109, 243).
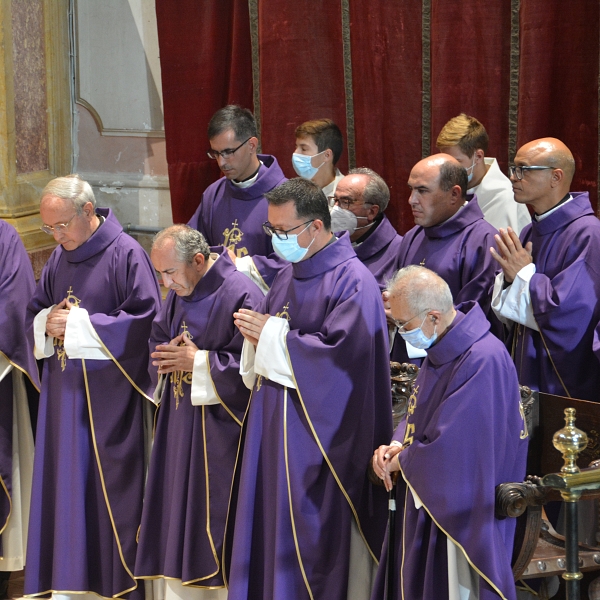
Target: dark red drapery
(389, 73)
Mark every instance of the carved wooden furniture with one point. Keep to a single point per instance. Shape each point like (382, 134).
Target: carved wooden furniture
(539, 549)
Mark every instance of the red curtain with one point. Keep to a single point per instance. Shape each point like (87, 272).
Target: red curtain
(301, 72)
(553, 80)
(206, 63)
(558, 91)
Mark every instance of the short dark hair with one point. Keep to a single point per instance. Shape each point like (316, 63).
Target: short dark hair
(376, 191)
(452, 174)
(234, 117)
(325, 133)
(308, 198)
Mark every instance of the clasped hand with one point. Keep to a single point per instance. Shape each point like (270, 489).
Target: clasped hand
(250, 323)
(56, 322)
(177, 355)
(511, 255)
(385, 463)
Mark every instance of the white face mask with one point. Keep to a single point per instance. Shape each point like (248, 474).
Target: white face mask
(303, 165)
(343, 220)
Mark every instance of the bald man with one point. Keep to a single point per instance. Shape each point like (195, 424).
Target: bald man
(547, 291)
(450, 237)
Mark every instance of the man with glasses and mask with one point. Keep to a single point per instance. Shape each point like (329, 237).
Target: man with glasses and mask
(233, 209)
(307, 521)
(450, 237)
(466, 139)
(90, 319)
(358, 206)
(547, 290)
(463, 434)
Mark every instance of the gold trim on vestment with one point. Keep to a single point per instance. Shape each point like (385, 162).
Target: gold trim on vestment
(183, 583)
(67, 592)
(289, 490)
(217, 393)
(133, 383)
(552, 361)
(235, 466)
(480, 573)
(330, 465)
(16, 366)
(104, 490)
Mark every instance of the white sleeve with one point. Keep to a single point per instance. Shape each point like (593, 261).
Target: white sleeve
(271, 359)
(203, 390)
(514, 302)
(245, 265)
(81, 339)
(247, 364)
(44, 345)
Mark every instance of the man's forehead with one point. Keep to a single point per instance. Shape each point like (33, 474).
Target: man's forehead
(422, 176)
(306, 140)
(164, 257)
(283, 216)
(223, 140)
(54, 207)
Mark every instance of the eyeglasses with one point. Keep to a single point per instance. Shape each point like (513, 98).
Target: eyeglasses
(401, 326)
(59, 228)
(331, 200)
(518, 172)
(280, 233)
(214, 154)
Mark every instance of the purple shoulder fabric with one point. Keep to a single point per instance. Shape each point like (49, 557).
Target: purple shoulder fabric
(193, 456)
(16, 288)
(89, 465)
(302, 479)
(458, 250)
(466, 404)
(560, 359)
(380, 252)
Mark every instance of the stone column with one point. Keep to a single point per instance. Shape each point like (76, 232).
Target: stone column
(35, 119)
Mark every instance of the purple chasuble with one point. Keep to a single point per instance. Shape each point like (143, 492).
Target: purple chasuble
(193, 456)
(302, 476)
(458, 250)
(233, 217)
(88, 474)
(564, 297)
(379, 252)
(16, 288)
(466, 435)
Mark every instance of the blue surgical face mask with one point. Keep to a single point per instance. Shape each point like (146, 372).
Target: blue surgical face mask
(290, 249)
(303, 166)
(416, 337)
(471, 168)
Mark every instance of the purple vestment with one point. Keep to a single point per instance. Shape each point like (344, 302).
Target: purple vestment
(564, 297)
(194, 449)
(466, 436)
(458, 250)
(379, 252)
(16, 288)
(302, 477)
(89, 464)
(233, 217)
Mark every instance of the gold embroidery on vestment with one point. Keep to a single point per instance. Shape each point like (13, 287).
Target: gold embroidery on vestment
(178, 378)
(232, 237)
